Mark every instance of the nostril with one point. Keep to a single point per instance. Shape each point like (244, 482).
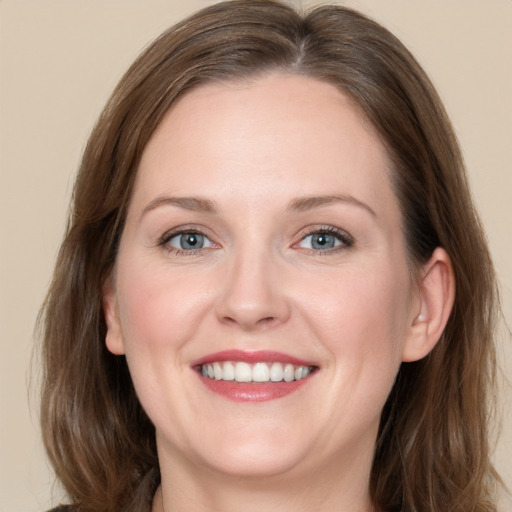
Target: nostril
(251, 323)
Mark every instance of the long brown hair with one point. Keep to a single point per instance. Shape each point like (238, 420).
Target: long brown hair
(432, 452)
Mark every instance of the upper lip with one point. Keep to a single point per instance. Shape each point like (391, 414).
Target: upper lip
(250, 356)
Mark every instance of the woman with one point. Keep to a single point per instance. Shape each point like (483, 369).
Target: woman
(274, 290)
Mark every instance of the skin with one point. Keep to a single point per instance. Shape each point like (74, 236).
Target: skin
(251, 150)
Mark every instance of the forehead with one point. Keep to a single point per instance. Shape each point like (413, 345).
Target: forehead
(280, 135)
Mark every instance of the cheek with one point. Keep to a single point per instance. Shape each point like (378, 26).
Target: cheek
(369, 306)
(158, 307)
(360, 317)
(160, 311)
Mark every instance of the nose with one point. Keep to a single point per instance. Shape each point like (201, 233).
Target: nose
(252, 295)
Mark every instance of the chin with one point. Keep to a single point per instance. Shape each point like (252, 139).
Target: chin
(257, 451)
(255, 462)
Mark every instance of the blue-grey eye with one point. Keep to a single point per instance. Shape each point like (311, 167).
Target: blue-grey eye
(189, 241)
(320, 241)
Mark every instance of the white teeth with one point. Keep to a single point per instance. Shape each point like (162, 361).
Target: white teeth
(258, 372)
(217, 371)
(276, 372)
(243, 372)
(289, 373)
(228, 371)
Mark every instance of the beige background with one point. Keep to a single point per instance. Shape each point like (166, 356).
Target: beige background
(59, 61)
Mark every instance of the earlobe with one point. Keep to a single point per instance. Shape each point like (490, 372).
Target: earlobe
(113, 337)
(436, 290)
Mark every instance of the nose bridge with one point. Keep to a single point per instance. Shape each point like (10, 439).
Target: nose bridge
(251, 295)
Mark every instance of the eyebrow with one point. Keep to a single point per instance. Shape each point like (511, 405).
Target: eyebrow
(311, 202)
(301, 204)
(194, 204)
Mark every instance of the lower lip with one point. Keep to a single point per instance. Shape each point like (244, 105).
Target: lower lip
(251, 391)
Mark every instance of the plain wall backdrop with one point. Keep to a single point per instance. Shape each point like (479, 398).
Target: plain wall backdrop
(59, 61)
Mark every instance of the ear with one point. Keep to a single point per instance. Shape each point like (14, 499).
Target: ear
(436, 292)
(114, 337)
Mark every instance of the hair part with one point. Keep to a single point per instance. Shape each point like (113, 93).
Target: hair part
(433, 451)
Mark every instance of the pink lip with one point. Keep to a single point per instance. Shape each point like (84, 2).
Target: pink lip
(251, 391)
(267, 356)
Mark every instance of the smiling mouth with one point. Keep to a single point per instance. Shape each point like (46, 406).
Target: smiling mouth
(253, 376)
(259, 372)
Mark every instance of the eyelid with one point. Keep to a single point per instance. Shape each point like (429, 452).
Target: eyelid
(346, 239)
(163, 241)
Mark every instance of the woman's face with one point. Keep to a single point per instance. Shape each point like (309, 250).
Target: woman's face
(262, 294)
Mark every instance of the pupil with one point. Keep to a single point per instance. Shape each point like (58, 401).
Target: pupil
(322, 240)
(190, 241)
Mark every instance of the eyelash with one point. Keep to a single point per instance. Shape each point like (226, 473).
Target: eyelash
(168, 236)
(345, 238)
(347, 241)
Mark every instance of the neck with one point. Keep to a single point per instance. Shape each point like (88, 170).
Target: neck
(328, 489)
